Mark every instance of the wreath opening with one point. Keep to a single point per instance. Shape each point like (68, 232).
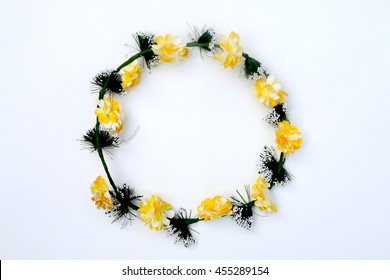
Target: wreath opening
(184, 128)
(124, 203)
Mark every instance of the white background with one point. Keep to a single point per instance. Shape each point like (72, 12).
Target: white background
(201, 128)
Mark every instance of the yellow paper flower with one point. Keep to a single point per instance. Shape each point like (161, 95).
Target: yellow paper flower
(131, 75)
(212, 208)
(263, 197)
(184, 53)
(155, 212)
(270, 91)
(169, 49)
(231, 54)
(288, 138)
(109, 114)
(100, 195)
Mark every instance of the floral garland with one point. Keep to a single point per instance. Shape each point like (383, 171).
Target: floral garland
(122, 202)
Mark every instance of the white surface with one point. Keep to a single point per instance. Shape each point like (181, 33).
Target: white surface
(201, 128)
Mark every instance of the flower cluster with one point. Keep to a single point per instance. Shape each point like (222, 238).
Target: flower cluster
(100, 194)
(262, 196)
(269, 91)
(109, 114)
(288, 138)
(131, 75)
(231, 54)
(216, 207)
(155, 212)
(169, 49)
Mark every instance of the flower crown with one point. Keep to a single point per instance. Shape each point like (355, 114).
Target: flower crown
(122, 202)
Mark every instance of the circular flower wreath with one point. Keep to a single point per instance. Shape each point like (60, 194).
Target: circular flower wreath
(122, 202)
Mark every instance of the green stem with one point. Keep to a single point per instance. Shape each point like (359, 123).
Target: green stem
(134, 207)
(134, 57)
(195, 44)
(281, 161)
(192, 221)
(280, 166)
(250, 203)
(200, 45)
(101, 156)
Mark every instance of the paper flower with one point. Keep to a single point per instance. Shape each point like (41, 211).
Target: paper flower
(212, 208)
(131, 75)
(169, 49)
(100, 194)
(269, 91)
(155, 212)
(109, 114)
(231, 54)
(263, 197)
(288, 138)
